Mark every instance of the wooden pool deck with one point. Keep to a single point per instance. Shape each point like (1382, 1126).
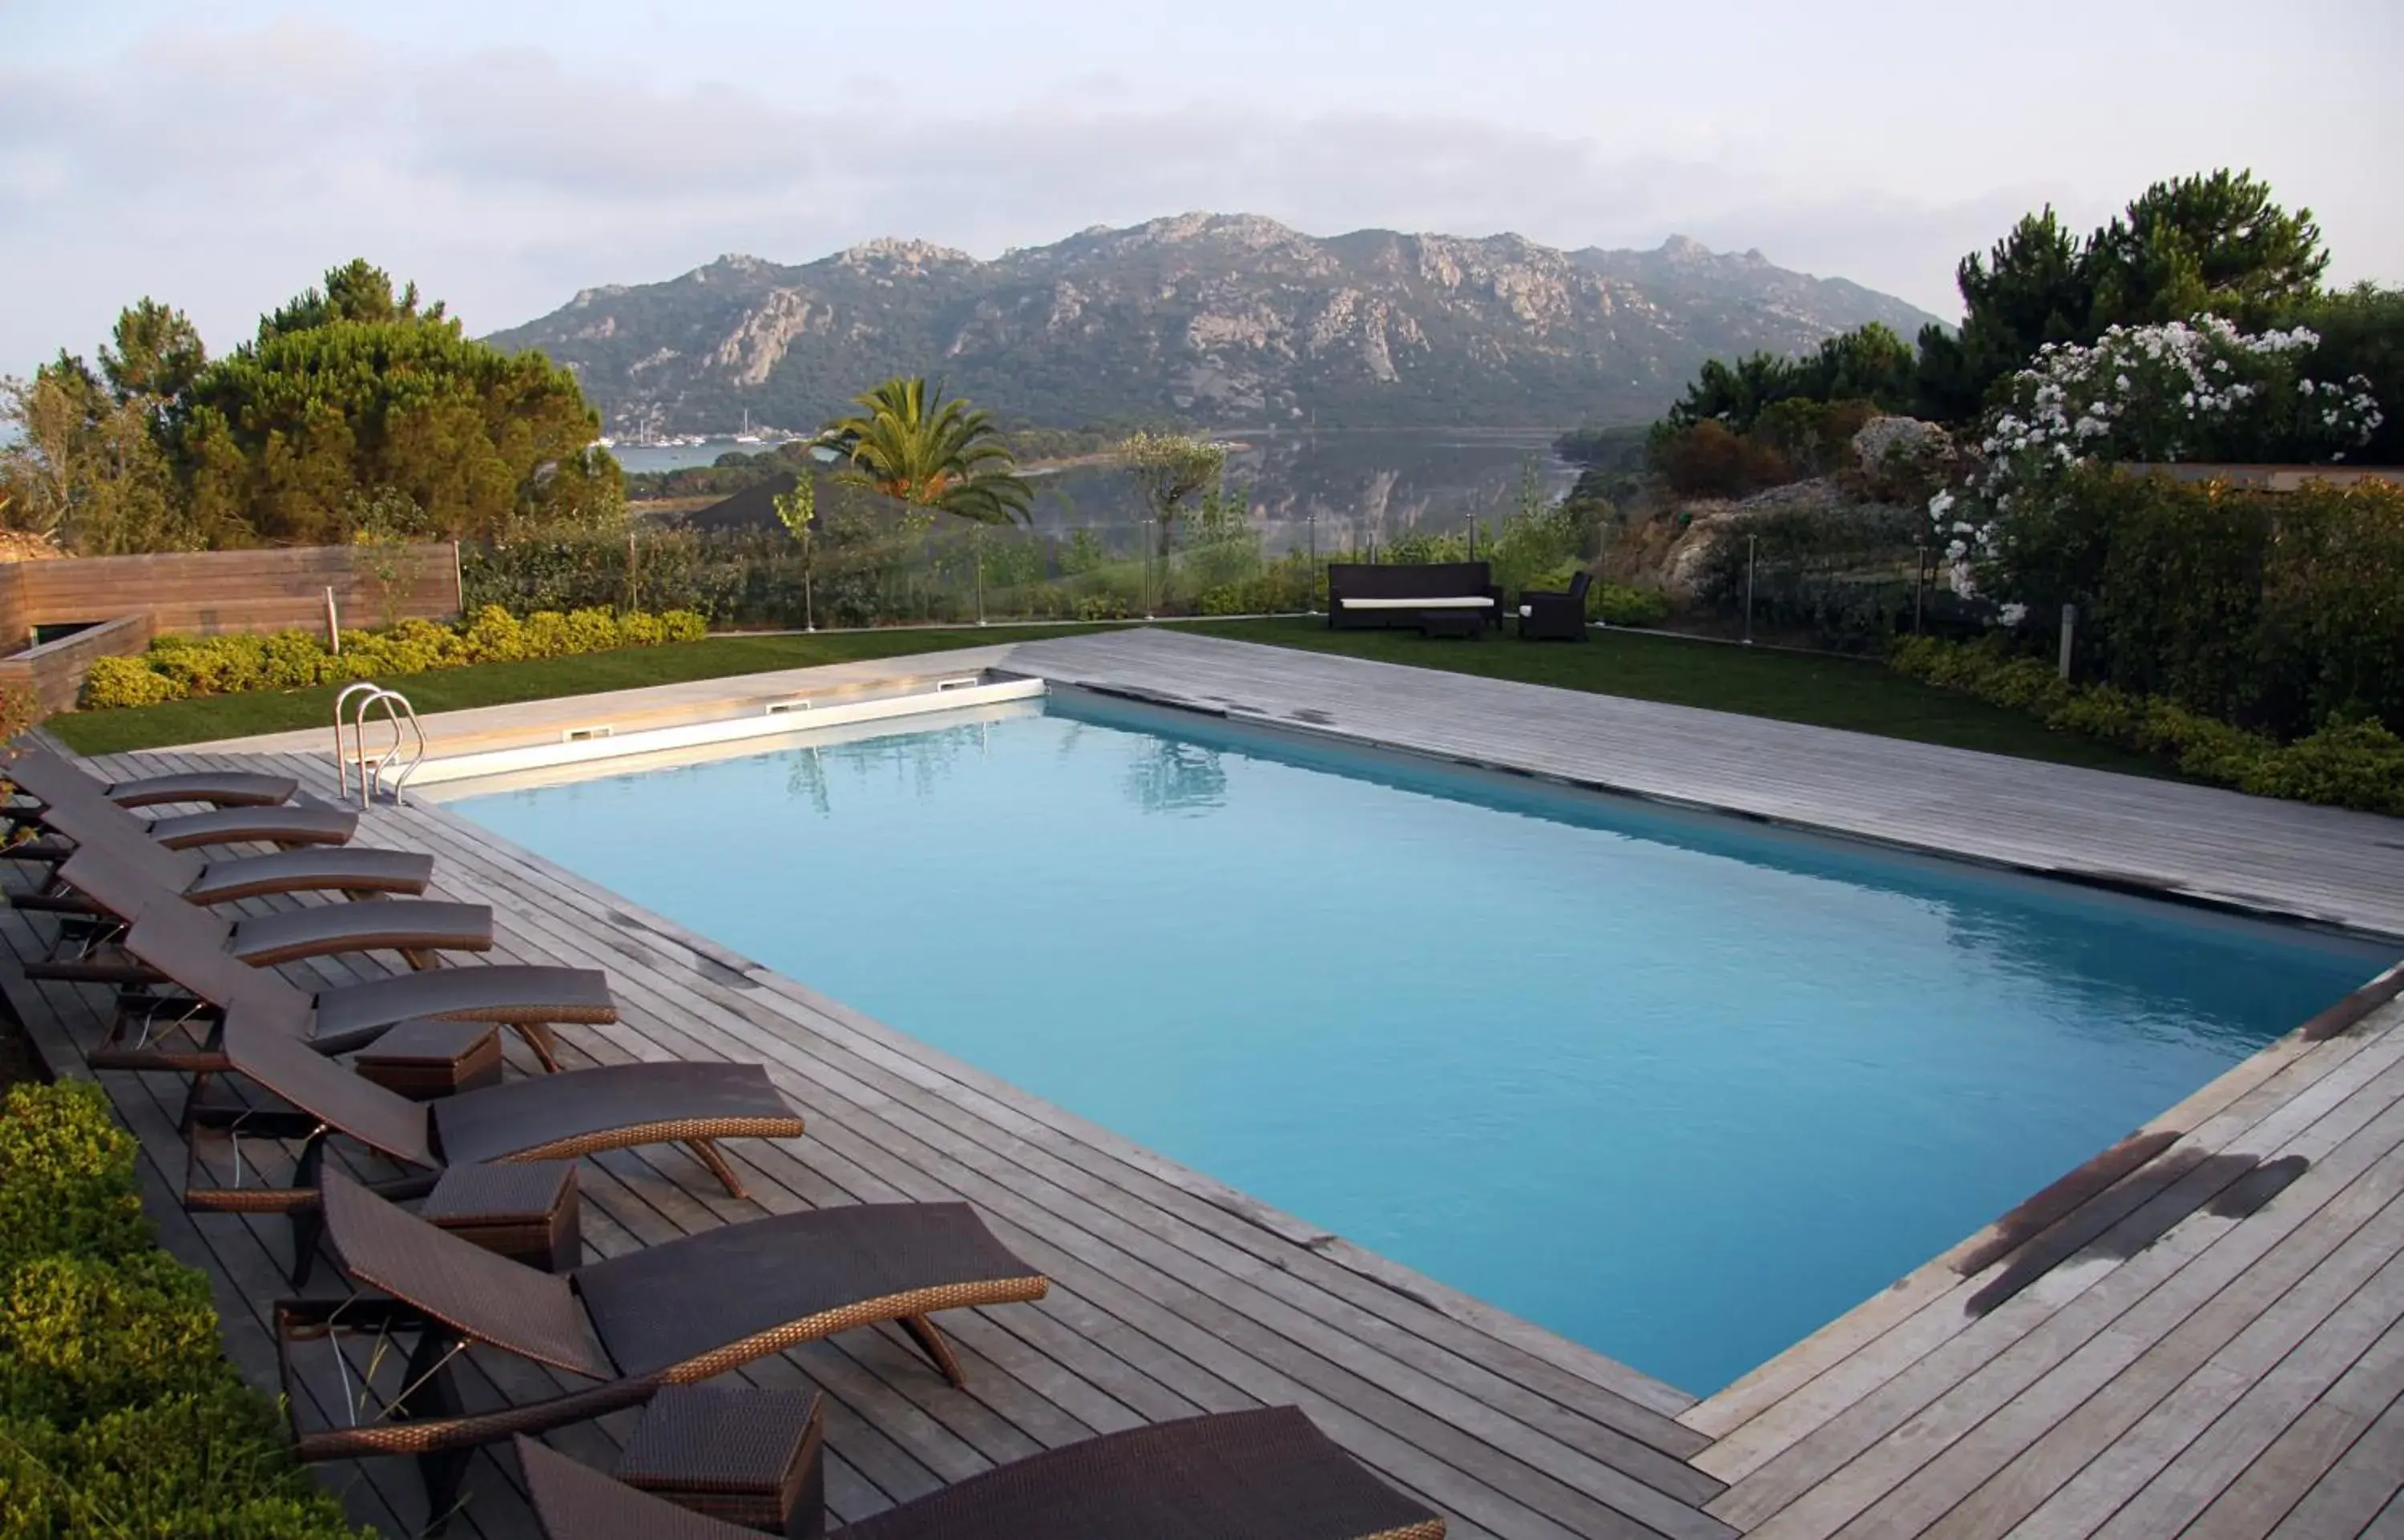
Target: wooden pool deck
(2203, 1332)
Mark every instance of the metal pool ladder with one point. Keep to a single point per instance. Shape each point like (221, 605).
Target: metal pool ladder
(402, 718)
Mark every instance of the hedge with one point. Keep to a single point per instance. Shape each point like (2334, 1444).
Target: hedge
(118, 1413)
(2279, 612)
(176, 666)
(2347, 763)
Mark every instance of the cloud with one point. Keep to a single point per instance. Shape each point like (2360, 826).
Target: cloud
(223, 173)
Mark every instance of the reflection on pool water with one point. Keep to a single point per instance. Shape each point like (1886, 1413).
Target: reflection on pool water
(1681, 1089)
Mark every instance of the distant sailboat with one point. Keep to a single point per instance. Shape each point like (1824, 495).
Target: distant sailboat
(747, 436)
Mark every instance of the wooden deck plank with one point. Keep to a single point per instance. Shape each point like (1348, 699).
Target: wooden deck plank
(2363, 1480)
(2304, 1448)
(2039, 1352)
(1870, 1394)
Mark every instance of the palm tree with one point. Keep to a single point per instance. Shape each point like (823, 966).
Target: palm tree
(911, 443)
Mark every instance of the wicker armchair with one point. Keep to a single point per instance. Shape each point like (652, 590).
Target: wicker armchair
(1555, 616)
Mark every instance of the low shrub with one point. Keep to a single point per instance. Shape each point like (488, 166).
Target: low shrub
(177, 666)
(2345, 763)
(66, 1180)
(119, 1414)
(126, 681)
(1624, 604)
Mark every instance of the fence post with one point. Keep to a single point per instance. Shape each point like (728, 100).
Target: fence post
(460, 580)
(633, 579)
(2069, 625)
(1751, 549)
(977, 554)
(1919, 580)
(333, 624)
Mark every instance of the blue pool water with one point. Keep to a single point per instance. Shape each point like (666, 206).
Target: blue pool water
(1681, 1089)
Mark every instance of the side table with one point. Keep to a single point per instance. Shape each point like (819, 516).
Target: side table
(749, 1456)
(428, 1058)
(528, 1209)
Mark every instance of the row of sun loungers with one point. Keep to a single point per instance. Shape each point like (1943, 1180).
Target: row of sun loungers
(199, 994)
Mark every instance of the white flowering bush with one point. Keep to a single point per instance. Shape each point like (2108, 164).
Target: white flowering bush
(2179, 391)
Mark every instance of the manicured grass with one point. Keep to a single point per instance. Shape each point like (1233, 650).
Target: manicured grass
(200, 720)
(1859, 694)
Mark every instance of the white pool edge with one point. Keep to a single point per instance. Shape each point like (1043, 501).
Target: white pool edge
(777, 719)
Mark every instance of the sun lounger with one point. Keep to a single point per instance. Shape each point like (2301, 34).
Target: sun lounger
(89, 950)
(38, 772)
(54, 783)
(186, 945)
(1267, 1474)
(548, 1117)
(353, 871)
(686, 1309)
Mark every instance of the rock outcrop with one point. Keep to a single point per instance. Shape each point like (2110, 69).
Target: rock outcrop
(1221, 318)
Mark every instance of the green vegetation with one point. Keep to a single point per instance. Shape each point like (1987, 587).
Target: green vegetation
(909, 444)
(2350, 764)
(118, 1413)
(1858, 695)
(200, 720)
(2281, 612)
(175, 667)
(356, 411)
(2214, 244)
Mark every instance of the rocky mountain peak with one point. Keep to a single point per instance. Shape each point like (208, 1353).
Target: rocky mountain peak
(887, 254)
(1210, 319)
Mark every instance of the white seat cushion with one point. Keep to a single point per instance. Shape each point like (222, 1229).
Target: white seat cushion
(1481, 602)
(1526, 610)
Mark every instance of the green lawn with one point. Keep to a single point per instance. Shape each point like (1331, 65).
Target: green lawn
(498, 683)
(1828, 691)
(1860, 694)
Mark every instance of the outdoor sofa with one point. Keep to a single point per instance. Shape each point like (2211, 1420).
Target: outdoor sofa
(1262, 1473)
(1368, 595)
(683, 1310)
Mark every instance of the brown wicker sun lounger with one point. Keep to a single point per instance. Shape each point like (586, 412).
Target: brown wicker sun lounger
(548, 1117)
(90, 950)
(353, 871)
(54, 782)
(1267, 1474)
(686, 1309)
(39, 772)
(156, 1032)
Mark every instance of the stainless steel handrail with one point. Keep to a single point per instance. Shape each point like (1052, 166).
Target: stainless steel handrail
(397, 711)
(400, 717)
(342, 763)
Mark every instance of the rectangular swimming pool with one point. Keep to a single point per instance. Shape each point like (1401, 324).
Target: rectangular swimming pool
(1680, 1087)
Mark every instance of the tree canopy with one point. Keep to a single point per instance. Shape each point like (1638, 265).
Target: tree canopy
(356, 405)
(2213, 244)
(909, 443)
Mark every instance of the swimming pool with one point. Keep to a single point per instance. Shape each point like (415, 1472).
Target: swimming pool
(1680, 1087)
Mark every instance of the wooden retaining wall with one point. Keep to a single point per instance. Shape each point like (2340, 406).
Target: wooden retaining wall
(206, 592)
(54, 672)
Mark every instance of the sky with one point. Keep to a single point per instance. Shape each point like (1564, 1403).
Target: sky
(506, 153)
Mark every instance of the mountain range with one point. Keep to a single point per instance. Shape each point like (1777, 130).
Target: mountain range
(1214, 320)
